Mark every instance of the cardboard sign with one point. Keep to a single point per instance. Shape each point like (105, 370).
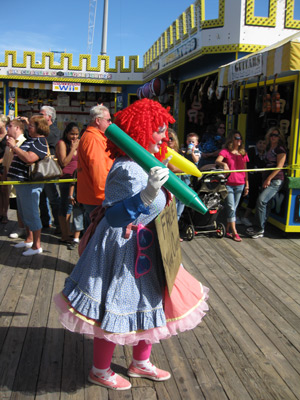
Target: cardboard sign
(168, 236)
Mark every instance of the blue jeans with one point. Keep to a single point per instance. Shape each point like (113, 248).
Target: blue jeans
(52, 194)
(232, 201)
(262, 210)
(28, 199)
(64, 206)
(88, 208)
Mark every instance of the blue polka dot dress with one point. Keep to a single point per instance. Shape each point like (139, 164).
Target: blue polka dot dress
(103, 298)
(102, 286)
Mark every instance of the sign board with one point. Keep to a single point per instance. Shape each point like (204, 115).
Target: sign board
(243, 69)
(180, 52)
(66, 87)
(168, 236)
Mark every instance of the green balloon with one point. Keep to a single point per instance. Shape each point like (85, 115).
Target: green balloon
(146, 160)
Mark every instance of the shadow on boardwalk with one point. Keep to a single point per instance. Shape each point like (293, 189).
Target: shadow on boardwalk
(246, 348)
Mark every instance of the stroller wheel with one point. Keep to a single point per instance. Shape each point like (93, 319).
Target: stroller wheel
(189, 232)
(221, 230)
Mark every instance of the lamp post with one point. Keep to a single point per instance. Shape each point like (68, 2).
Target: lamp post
(104, 28)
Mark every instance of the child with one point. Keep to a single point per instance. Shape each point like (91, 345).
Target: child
(78, 214)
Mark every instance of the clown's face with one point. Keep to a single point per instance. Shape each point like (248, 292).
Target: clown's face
(157, 138)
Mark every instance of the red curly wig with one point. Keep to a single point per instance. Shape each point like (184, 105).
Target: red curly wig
(139, 121)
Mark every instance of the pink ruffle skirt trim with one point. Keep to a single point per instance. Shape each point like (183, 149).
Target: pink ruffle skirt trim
(184, 310)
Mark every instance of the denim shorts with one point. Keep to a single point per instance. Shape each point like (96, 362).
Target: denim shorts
(28, 200)
(78, 218)
(64, 206)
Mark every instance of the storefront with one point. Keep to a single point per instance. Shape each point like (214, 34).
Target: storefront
(267, 88)
(71, 90)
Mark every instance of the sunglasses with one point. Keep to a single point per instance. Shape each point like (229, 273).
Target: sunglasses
(238, 138)
(221, 127)
(274, 135)
(143, 263)
(171, 139)
(106, 119)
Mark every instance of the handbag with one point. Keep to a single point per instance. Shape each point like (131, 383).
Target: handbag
(46, 169)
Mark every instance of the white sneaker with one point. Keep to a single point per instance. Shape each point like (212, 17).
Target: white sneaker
(32, 252)
(246, 221)
(18, 233)
(23, 244)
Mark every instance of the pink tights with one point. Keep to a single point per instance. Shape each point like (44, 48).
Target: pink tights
(103, 352)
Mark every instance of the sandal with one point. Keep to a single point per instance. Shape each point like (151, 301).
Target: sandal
(229, 235)
(236, 238)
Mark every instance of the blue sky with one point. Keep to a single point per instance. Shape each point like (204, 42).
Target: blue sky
(133, 25)
(62, 25)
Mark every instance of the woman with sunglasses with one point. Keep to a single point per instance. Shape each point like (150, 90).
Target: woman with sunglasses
(116, 292)
(272, 181)
(234, 157)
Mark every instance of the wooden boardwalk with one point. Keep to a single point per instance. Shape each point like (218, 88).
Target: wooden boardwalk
(248, 346)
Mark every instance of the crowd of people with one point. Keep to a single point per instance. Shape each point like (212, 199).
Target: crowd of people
(88, 159)
(117, 292)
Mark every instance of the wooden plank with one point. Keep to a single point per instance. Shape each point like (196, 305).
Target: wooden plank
(182, 374)
(208, 381)
(243, 329)
(13, 344)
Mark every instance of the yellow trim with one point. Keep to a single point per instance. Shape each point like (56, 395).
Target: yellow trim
(269, 21)
(177, 31)
(193, 21)
(16, 102)
(64, 79)
(4, 98)
(294, 155)
(184, 25)
(290, 22)
(218, 22)
(69, 58)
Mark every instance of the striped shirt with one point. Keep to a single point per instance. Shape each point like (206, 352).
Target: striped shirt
(18, 169)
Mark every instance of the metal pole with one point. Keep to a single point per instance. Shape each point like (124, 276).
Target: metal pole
(104, 28)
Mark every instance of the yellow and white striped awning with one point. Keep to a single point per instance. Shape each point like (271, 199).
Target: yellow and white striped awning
(280, 57)
(101, 89)
(48, 86)
(30, 85)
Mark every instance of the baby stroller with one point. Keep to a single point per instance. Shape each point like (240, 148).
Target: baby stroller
(211, 190)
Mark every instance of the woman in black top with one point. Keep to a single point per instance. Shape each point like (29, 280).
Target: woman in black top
(28, 196)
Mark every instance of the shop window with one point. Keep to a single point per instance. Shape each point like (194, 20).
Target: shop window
(261, 12)
(261, 8)
(292, 14)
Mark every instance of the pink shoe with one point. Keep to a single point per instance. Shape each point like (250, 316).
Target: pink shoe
(117, 383)
(236, 238)
(155, 375)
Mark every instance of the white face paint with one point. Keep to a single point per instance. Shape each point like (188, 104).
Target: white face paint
(157, 137)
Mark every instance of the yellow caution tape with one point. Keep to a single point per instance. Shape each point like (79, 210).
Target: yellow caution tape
(221, 171)
(35, 182)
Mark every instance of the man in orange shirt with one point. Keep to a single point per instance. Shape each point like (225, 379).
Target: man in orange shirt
(94, 161)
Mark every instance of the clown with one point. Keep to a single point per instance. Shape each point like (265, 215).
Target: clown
(116, 292)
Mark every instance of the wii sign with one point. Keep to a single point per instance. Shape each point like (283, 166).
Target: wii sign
(66, 87)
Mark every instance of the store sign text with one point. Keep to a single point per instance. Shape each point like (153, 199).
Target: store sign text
(180, 52)
(66, 87)
(252, 66)
(34, 72)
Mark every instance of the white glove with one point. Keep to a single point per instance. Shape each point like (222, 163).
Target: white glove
(158, 176)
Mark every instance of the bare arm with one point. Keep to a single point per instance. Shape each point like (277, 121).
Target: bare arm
(220, 163)
(280, 163)
(61, 152)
